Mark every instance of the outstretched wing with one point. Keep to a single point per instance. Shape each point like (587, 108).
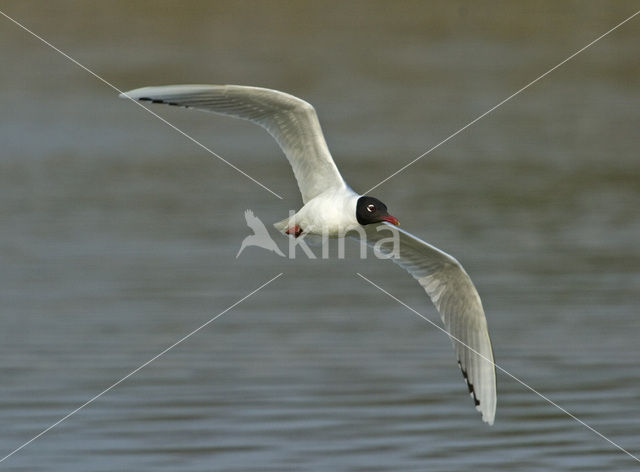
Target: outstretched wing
(291, 121)
(459, 305)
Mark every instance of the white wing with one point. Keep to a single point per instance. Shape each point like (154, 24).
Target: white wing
(291, 121)
(459, 305)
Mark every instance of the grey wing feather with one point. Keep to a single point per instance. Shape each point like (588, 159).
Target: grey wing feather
(291, 121)
(456, 299)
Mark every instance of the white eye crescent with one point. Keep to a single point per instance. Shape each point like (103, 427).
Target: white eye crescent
(371, 208)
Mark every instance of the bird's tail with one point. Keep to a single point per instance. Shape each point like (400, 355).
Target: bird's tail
(282, 225)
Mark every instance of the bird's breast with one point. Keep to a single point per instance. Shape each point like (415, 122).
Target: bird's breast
(332, 213)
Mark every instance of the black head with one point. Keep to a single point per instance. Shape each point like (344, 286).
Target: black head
(371, 210)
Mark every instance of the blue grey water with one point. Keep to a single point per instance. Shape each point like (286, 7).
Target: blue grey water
(118, 236)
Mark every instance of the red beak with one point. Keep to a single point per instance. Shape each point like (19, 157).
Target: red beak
(391, 219)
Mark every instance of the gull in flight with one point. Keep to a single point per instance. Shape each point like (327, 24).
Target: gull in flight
(332, 207)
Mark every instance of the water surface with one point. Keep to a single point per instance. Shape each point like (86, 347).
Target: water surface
(119, 236)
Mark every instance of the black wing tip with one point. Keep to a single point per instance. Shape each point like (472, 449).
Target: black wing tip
(158, 100)
(469, 385)
(152, 100)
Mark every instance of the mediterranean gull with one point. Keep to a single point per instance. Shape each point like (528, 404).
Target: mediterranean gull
(332, 208)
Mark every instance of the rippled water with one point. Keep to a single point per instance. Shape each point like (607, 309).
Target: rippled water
(119, 236)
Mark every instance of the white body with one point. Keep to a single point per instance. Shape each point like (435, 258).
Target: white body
(332, 213)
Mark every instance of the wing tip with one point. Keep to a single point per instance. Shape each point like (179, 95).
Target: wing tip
(489, 419)
(135, 95)
(154, 90)
(488, 412)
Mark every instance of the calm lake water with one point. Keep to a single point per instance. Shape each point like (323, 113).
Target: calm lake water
(118, 236)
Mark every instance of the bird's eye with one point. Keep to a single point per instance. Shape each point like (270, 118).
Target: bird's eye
(371, 208)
